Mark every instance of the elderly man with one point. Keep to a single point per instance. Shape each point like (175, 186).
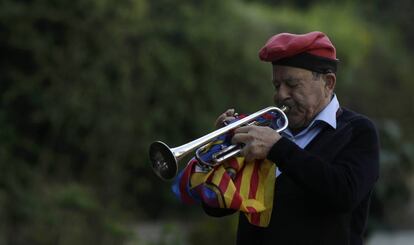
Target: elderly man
(327, 159)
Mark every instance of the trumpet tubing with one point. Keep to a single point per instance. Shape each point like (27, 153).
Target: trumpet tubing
(165, 160)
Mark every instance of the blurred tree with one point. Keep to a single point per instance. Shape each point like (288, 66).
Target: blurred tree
(87, 85)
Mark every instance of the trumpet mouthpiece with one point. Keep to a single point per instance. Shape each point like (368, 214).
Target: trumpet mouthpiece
(284, 108)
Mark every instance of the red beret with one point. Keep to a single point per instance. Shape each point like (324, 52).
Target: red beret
(313, 51)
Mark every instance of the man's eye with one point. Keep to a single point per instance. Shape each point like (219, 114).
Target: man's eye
(277, 86)
(292, 85)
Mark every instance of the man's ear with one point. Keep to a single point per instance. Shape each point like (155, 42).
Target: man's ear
(330, 81)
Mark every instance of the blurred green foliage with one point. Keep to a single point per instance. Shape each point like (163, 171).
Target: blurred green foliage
(87, 85)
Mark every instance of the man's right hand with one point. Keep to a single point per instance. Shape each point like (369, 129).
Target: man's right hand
(225, 118)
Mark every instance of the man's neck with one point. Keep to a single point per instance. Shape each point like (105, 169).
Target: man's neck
(295, 131)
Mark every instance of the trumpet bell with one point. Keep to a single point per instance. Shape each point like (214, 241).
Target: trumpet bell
(163, 161)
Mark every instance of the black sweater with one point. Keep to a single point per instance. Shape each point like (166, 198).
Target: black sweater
(323, 193)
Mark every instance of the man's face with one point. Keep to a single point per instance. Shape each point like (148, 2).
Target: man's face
(304, 94)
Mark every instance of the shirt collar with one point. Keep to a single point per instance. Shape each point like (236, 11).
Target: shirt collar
(328, 114)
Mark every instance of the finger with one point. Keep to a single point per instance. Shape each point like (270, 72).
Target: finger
(225, 116)
(220, 122)
(244, 129)
(241, 138)
(248, 158)
(245, 152)
(229, 112)
(227, 120)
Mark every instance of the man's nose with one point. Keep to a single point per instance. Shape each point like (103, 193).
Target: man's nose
(282, 93)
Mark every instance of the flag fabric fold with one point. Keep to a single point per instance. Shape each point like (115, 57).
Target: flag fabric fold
(235, 184)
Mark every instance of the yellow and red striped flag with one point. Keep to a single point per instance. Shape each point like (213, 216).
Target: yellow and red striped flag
(239, 185)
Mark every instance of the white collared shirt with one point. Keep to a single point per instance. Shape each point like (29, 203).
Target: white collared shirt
(326, 117)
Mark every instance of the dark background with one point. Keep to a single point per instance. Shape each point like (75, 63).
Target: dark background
(87, 85)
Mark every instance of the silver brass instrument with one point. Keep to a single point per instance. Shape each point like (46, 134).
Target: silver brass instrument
(165, 159)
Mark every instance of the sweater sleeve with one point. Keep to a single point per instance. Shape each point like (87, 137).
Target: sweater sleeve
(347, 179)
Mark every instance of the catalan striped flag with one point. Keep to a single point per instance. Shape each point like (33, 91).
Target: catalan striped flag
(235, 184)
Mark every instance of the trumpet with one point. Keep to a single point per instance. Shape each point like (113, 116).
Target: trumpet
(165, 159)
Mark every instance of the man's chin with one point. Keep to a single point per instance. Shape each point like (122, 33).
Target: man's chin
(295, 122)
